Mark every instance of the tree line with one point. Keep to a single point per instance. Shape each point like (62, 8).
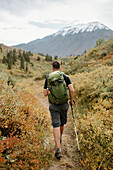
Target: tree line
(12, 56)
(47, 57)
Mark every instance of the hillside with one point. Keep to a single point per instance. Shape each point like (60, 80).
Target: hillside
(95, 58)
(23, 119)
(37, 66)
(73, 40)
(92, 77)
(22, 105)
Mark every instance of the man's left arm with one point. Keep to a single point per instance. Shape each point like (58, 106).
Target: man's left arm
(71, 92)
(70, 87)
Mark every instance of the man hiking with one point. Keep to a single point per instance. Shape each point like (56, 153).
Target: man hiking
(59, 89)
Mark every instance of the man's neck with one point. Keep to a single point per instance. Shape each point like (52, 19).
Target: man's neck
(56, 69)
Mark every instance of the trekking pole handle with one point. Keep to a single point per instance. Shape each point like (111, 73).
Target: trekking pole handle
(73, 102)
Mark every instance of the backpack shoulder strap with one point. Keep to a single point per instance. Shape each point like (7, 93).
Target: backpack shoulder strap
(54, 76)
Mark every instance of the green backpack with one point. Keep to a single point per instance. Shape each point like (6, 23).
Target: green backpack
(59, 92)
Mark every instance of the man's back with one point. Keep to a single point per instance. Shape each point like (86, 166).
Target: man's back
(56, 84)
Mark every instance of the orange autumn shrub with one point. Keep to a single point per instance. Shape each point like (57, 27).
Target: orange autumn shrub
(24, 127)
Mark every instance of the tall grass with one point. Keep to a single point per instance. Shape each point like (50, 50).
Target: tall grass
(94, 108)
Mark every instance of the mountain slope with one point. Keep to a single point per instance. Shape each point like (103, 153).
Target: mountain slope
(70, 40)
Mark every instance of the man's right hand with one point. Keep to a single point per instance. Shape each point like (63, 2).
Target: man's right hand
(45, 92)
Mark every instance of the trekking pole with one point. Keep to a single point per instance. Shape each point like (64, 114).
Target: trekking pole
(75, 126)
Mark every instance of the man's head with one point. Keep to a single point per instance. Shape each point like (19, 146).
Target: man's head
(56, 65)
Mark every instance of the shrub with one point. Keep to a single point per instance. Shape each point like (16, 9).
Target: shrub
(93, 95)
(42, 76)
(100, 41)
(109, 63)
(56, 57)
(23, 127)
(103, 54)
(95, 136)
(38, 59)
(10, 82)
(48, 58)
(91, 86)
(41, 54)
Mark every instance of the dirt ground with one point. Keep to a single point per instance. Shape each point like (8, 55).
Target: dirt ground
(70, 159)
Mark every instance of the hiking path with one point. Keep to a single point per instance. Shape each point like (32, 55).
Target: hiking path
(70, 159)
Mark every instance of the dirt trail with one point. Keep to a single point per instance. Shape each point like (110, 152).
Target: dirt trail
(70, 160)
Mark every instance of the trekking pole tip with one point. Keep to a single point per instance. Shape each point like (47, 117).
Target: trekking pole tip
(79, 152)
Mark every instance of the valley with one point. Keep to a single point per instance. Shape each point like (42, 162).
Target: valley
(25, 127)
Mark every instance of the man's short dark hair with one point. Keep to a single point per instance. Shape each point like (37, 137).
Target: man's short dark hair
(56, 65)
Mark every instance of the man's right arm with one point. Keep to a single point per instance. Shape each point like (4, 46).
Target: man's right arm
(45, 92)
(45, 88)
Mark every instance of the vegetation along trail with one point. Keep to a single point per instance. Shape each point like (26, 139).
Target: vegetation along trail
(70, 159)
(26, 137)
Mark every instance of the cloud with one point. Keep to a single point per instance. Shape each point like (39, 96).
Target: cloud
(25, 20)
(46, 25)
(53, 24)
(12, 28)
(22, 7)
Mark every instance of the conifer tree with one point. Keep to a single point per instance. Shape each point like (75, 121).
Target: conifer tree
(26, 67)
(9, 59)
(14, 56)
(48, 58)
(55, 57)
(1, 49)
(14, 50)
(4, 60)
(22, 62)
(27, 57)
(20, 54)
(24, 54)
(38, 58)
(30, 53)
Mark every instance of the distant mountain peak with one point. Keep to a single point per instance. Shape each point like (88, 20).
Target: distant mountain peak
(89, 27)
(72, 40)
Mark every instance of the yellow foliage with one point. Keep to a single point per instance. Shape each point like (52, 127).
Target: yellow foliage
(94, 107)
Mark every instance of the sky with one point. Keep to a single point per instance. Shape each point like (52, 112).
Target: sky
(22, 21)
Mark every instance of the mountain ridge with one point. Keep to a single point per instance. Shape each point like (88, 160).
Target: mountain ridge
(72, 40)
(89, 27)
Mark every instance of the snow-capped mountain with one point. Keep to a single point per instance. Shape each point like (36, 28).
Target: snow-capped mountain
(72, 40)
(90, 27)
